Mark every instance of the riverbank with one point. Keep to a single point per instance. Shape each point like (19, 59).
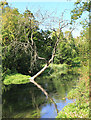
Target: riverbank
(80, 107)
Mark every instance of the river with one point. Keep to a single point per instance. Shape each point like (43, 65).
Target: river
(27, 101)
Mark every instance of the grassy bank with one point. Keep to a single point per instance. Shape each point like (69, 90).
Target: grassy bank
(80, 107)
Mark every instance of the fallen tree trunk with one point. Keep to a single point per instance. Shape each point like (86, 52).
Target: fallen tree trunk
(47, 64)
(41, 71)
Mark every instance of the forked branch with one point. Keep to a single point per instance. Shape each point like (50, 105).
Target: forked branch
(47, 64)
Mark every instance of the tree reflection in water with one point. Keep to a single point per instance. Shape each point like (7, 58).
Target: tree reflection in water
(27, 101)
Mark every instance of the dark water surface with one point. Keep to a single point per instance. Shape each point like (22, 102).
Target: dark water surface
(27, 101)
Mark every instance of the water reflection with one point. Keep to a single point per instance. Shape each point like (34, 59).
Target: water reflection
(48, 111)
(27, 101)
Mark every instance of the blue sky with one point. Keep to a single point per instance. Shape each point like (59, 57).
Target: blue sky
(40, 0)
(43, 0)
(48, 5)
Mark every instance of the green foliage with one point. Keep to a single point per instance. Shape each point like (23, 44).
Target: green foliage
(55, 70)
(59, 68)
(80, 8)
(82, 44)
(67, 51)
(44, 43)
(9, 25)
(16, 52)
(16, 41)
(28, 114)
(80, 107)
(74, 111)
(16, 79)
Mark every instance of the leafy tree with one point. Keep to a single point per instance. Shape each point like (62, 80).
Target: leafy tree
(16, 40)
(23, 43)
(82, 41)
(80, 8)
(67, 51)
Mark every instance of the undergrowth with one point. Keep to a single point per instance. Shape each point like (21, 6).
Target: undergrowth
(80, 107)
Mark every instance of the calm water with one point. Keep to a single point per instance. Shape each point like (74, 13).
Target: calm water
(27, 101)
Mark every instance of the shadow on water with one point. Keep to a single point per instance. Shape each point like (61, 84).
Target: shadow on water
(27, 101)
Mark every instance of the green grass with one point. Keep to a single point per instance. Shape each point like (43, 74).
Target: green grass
(16, 79)
(80, 107)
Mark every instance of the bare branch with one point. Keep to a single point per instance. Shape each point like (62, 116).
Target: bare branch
(32, 38)
(41, 58)
(46, 66)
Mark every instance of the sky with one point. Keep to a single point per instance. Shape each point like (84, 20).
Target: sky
(50, 6)
(39, 0)
(47, 5)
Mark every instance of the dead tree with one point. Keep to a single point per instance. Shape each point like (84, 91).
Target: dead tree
(62, 24)
(31, 28)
